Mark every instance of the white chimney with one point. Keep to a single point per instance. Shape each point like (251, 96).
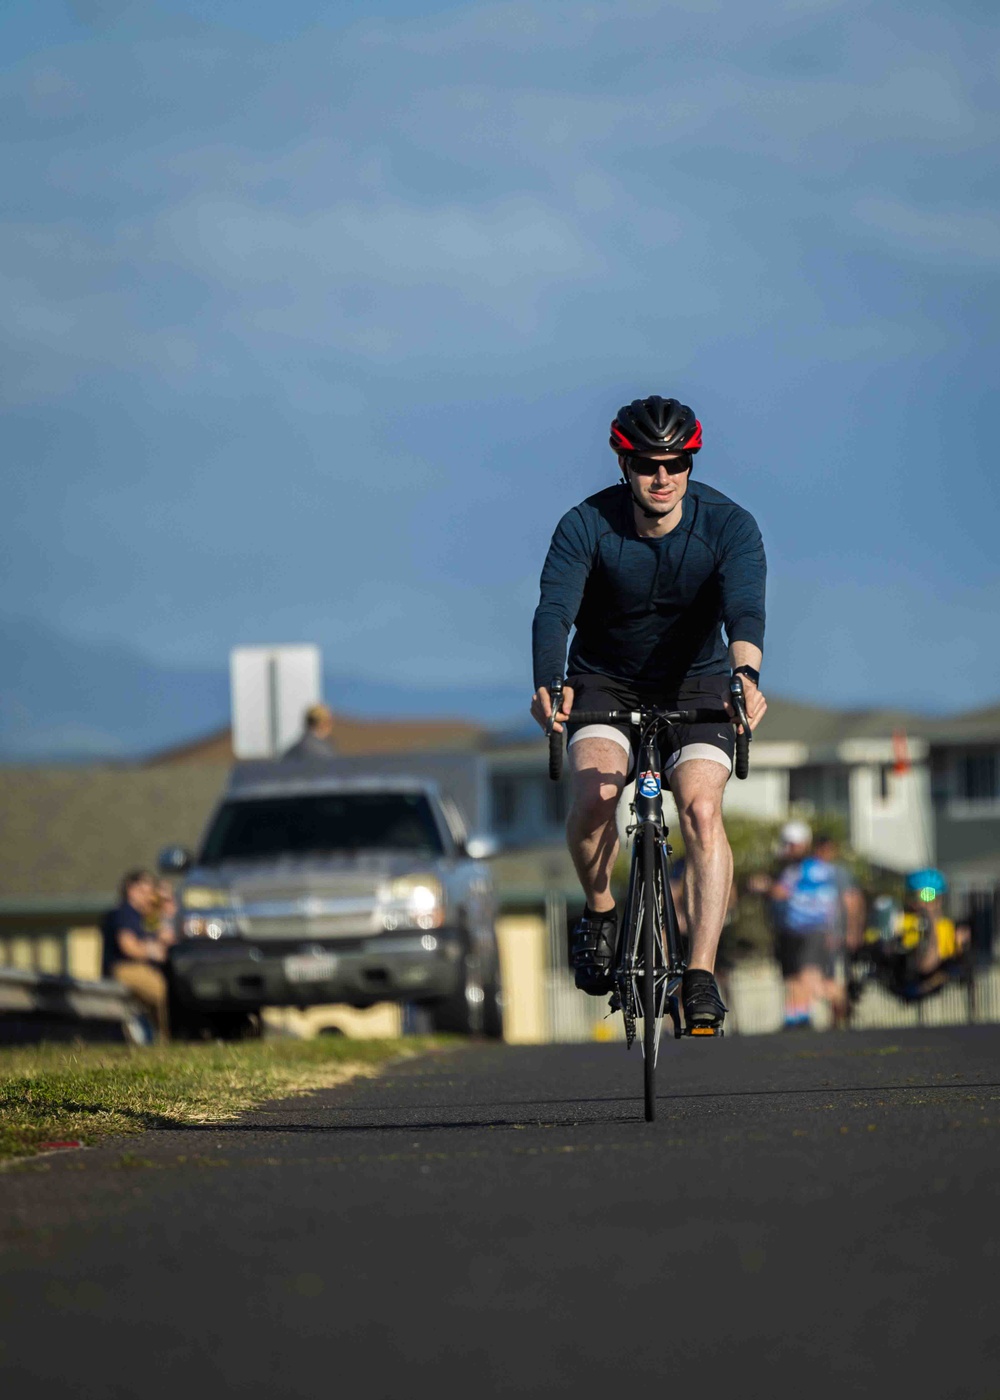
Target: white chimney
(271, 688)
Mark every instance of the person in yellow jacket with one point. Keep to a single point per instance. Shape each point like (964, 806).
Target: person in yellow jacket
(929, 944)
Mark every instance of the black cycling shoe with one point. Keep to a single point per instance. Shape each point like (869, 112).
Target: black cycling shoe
(704, 1009)
(592, 951)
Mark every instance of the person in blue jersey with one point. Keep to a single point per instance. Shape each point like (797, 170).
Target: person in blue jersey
(649, 572)
(818, 915)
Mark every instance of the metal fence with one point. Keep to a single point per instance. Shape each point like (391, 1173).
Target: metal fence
(754, 990)
(755, 994)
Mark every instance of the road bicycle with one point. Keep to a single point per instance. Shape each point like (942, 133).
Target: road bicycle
(649, 961)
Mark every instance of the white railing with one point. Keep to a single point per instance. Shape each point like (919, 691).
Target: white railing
(755, 995)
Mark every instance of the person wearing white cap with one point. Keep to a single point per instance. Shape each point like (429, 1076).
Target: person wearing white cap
(796, 838)
(812, 902)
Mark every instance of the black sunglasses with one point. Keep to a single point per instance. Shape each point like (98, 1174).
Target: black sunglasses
(649, 466)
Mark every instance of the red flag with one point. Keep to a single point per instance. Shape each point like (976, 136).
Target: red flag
(900, 753)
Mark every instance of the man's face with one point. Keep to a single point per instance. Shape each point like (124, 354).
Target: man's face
(795, 850)
(660, 480)
(914, 902)
(141, 894)
(321, 721)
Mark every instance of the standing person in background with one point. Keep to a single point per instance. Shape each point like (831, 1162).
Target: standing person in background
(810, 917)
(133, 953)
(849, 927)
(316, 741)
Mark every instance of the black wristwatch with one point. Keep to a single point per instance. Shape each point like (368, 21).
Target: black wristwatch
(749, 672)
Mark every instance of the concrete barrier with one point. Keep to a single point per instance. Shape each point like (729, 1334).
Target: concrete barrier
(45, 1006)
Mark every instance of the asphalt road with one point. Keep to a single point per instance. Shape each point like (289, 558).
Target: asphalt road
(810, 1215)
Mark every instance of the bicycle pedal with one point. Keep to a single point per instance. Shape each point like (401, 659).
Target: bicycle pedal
(717, 1031)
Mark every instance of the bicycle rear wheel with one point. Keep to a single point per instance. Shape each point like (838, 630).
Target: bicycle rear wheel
(647, 875)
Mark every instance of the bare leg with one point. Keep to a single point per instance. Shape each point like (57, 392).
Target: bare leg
(796, 998)
(814, 985)
(598, 769)
(836, 996)
(698, 785)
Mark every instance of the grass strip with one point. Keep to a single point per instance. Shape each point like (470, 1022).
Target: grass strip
(57, 1092)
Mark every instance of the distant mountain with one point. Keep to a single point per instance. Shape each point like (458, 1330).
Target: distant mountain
(69, 701)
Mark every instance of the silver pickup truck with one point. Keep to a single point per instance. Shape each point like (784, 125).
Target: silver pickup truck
(310, 888)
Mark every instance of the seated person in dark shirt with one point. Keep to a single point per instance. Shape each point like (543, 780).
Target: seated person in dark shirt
(134, 952)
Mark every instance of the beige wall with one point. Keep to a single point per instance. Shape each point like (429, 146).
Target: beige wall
(523, 941)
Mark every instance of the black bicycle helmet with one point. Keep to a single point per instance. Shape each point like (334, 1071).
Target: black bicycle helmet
(655, 425)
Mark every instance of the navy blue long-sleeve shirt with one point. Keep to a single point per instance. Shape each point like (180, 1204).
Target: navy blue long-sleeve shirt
(649, 610)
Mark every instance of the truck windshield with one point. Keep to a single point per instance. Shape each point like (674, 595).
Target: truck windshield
(322, 823)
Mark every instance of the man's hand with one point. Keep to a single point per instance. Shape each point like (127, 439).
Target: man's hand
(756, 705)
(541, 707)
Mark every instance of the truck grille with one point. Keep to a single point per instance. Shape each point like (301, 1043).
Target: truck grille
(311, 916)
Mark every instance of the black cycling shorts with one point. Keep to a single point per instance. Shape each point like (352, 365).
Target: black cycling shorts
(716, 741)
(797, 951)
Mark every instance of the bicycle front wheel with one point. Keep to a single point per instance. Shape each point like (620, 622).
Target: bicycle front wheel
(647, 875)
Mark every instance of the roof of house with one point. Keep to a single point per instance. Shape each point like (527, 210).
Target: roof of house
(350, 736)
(74, 831)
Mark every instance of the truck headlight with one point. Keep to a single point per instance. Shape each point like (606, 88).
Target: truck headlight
(413, 901)
(214, 923)
(204, 897)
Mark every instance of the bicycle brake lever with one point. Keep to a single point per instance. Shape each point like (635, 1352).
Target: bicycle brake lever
(738, 698)
(555, 697)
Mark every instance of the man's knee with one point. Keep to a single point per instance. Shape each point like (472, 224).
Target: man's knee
(145, 982)
(701, 814)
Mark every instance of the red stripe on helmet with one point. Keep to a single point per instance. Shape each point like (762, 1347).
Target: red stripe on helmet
(620, 439)
(694, 441)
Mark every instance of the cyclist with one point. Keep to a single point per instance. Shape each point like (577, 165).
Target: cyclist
(648, 572)
(925, 948)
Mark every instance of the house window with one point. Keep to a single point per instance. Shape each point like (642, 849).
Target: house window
(555, 803)
(978, 908)
(818, 788)
(504, 803)
(977, 775)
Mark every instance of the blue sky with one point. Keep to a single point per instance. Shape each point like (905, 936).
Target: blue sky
(316, 317)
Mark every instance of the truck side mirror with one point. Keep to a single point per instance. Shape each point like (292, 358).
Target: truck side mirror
(174, 860)
(481, 846)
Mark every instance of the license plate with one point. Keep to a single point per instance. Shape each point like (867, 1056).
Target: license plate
(310, 967)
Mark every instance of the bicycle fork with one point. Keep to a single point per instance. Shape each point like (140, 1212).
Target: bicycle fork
(649, 884)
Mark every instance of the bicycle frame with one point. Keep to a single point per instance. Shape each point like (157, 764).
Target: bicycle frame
(648, 963)
(629, 966)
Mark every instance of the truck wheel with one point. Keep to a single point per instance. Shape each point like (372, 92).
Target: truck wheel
(493, 1006)
(462, 1012)
(186, 1024)
(234, 1025)
(476, 1005)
